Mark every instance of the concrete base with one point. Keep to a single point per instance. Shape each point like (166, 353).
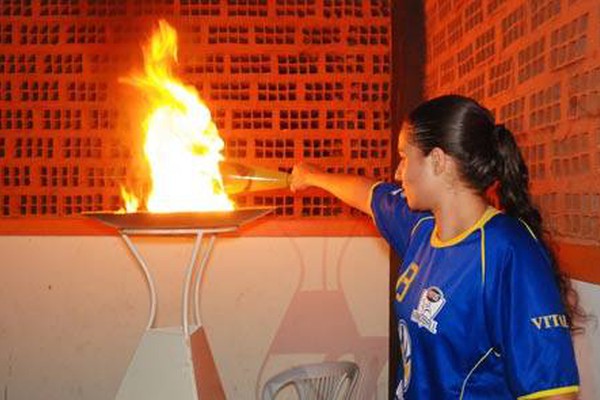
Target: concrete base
(162, 368)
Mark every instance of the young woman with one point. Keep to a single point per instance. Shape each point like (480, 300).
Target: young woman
(483, 310)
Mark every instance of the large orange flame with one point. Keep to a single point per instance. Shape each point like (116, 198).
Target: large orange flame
(182, 143)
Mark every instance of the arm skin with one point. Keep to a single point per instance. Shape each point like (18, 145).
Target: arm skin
(351, 189)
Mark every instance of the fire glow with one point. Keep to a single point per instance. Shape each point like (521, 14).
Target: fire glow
(182, 144)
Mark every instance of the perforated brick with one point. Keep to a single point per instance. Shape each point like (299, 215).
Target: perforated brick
(295, 8)
(285, 80)
(535, 64)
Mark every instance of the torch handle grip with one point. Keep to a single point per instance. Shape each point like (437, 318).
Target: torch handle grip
(241, 178)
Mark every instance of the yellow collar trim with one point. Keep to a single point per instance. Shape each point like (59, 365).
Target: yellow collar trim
(489, 213)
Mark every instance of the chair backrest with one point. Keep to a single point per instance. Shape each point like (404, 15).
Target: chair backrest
(333, 380)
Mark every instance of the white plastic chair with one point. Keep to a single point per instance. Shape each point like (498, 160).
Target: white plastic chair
(334, 380)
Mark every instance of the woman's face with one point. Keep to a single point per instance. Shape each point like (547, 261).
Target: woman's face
(415, 173)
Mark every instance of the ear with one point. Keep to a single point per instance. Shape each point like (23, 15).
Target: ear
(439, 160)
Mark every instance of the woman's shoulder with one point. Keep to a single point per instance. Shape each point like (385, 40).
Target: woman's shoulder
(511, 242)
(506, 232)
(513, 252)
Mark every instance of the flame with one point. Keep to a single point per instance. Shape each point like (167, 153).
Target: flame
(131, 201)
(182, 143)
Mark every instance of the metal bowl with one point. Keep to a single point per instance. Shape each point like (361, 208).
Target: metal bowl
(179, 220)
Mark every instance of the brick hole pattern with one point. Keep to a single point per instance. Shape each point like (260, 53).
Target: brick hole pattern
(286, 80)
(536, 65)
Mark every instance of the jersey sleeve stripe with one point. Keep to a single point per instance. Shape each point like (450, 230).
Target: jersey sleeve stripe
(370, 199)
(529, 229)
(464, 385)
(550, 392)
(414, 229)
(482, 256)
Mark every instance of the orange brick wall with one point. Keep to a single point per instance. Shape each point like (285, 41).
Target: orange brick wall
(286, 80)
(536, 63)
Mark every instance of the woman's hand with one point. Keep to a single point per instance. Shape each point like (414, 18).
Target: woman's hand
(303, 176)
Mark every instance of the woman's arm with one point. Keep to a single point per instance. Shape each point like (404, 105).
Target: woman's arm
(351, 189)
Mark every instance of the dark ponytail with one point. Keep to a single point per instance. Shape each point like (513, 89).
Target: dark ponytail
(491, 163)
(515, 200)
(513, 178)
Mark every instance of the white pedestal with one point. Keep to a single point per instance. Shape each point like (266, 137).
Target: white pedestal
(176, 363)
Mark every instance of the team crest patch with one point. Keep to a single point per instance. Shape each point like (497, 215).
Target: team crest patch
(431, 302)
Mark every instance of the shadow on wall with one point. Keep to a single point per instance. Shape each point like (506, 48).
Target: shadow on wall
(320, 322)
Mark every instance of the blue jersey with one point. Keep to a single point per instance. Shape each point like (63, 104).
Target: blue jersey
(479, 316)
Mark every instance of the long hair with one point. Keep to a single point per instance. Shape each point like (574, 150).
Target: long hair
(490, 162)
